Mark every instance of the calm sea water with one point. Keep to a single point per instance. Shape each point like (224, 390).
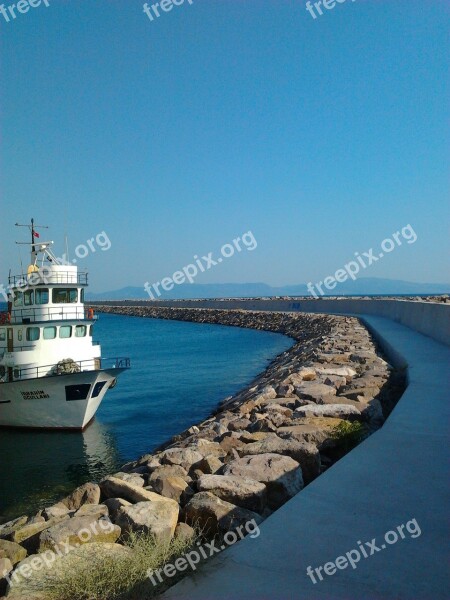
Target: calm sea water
(180, 371)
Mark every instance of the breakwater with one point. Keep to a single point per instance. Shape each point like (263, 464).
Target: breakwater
(261, 447)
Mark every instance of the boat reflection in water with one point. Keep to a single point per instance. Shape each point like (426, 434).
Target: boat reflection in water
(49, 464)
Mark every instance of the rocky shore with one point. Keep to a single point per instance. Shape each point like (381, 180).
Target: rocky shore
(259, 448)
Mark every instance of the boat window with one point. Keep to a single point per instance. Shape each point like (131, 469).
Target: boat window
(19, 335)
(82, 295)
(33, 334)
(28, 297)
(77, 392)
(64, 296)
(49, 333)
(65, 331)
(98, 388)
(2, 335)
(80, 330)
(91, 330)
(42, 296)
(18, 299)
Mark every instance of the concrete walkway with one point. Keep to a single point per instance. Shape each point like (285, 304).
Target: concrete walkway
(399, 474)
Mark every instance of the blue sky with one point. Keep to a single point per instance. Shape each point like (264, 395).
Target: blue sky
(322, 137)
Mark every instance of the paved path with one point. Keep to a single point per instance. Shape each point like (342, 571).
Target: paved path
(399, 474)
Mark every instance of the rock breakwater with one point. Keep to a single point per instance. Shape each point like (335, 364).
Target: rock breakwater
(259, 448)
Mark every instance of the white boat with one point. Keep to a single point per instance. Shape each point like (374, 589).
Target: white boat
(52, 375)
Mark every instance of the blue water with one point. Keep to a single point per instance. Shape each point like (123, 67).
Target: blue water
(180, 371)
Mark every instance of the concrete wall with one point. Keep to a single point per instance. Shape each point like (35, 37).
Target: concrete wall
(428, 318)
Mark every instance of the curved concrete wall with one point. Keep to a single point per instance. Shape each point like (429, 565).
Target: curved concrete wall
(428, 318)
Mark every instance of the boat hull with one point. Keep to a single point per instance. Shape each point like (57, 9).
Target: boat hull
(57, 402)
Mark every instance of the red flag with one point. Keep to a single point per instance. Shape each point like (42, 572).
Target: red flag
(36, 234)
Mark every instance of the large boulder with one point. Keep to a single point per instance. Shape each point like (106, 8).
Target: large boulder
(315, 430)
(213, 515)
(56, 510)
(281, 474)
(134, 478)
(346, 372)
(28, 536)
(185, 457)
(92, 510)
(156, 518)
(207, 448)
(173, 487)
(117, 488)
(14, 552)
(114, 505)
(305, 454)
(77, 531)
(169, 471)
(89, 493)
(241, 491)
(8, 528)
(340, 411)
(314, 391)
(6, 567)
(210, 464)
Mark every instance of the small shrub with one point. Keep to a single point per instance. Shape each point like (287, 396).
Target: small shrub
(348, 435)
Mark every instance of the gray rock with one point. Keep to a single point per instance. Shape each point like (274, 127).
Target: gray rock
(214, 515)
(5, 569)
(114, 505)
(346, 372)
(169, 471)
(134, 478)
(184, 532)
(14, 552)
(241, 491)
(7, 528)
(89, 493)
(314, 391)
(57, 510)
(157, 518)
(92, 510)
(117, 488)
(28, 536)
(341, 411)
(302, 452)
(77, 531)
(210, 464)
(281, 474)
(173, 487)
(185, 457)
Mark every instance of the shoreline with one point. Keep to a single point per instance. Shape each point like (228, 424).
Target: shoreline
(258, 449)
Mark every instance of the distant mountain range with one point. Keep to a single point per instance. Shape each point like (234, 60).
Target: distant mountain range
(363, 286)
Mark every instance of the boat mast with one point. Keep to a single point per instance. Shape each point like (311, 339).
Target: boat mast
(33, 235)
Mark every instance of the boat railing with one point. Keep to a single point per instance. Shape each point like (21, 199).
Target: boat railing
(46, 276)
(42, 313)
(67, 367)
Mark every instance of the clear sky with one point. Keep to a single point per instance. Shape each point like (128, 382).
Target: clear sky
(174, 136)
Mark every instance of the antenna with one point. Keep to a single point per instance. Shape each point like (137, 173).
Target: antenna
(33, 234)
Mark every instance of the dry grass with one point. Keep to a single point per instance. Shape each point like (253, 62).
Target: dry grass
(113, 578)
